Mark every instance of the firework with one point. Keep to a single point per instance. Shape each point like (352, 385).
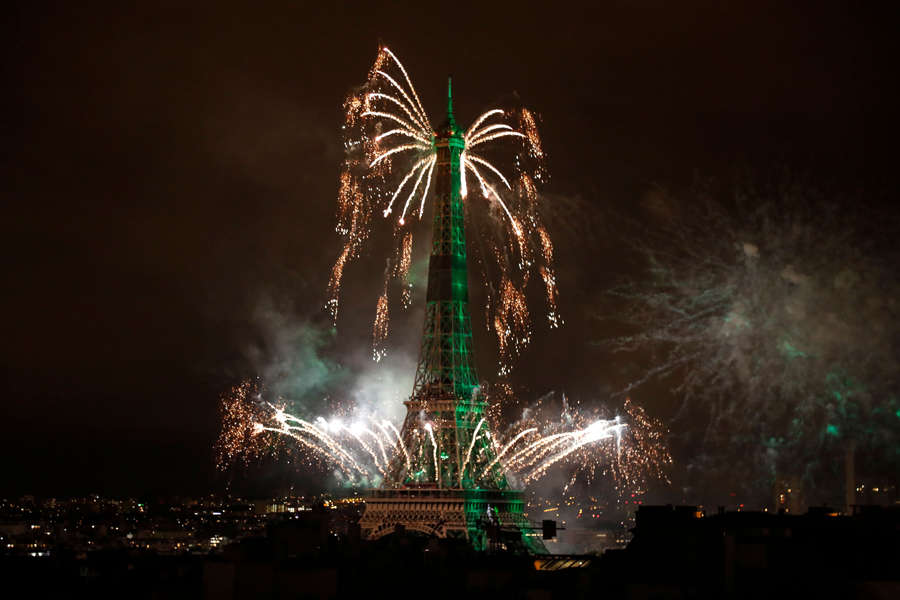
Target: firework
(629, 448)
(528, 125)
(238, 415)
(380, 328)
(404, 262)
(511, 323)
(390, 165)
(777, 313)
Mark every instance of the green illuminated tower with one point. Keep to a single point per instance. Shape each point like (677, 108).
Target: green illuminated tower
(446, 393)
(438, 482)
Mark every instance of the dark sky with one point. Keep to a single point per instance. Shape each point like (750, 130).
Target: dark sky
(168, 170)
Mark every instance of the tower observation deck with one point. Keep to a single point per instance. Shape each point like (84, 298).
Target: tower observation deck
(443, 479)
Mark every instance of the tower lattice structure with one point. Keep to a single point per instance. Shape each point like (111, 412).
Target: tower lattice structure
(446, 396)
(438, 482)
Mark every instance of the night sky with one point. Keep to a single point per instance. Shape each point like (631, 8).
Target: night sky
(169, 175)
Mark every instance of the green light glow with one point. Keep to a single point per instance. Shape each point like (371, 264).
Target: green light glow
(792, 351)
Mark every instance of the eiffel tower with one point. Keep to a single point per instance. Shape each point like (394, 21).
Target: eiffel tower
(444, 480)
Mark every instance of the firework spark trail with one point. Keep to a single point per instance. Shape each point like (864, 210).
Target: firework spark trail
(427, 167)
(408, 81)
(380, 328)
(259, 428)
(390, 147)
(388, 438)
(353, 106)
(526, 466)
(528, 192)
(346, 194)
(487, 190)
(437, 470)
(410, 128)
(552, 299)
(401, 148)
(505, 449)
(481, 119)
(377, 439)
(511, 324)
(629, 452)
(486, 130)
(401, 443)
(404, 257)
(481, 161)
(474, 133)
(334, 283)
(238, 438)
(528, 124)
(546, 245)
(493, 136)
(530, 453)
(427, 186)
(525, 261)
(422, 121)
(318, 434)
(597, 431)
(317, 449)
(469, 450)
(402, 266)
(463, 185)
(405, 132)
(353, 218)
(409, 176)
(365, 446)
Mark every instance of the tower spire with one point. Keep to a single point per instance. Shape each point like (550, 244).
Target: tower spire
(450, 119)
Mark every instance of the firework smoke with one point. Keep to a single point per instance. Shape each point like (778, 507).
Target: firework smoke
(778, 314)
